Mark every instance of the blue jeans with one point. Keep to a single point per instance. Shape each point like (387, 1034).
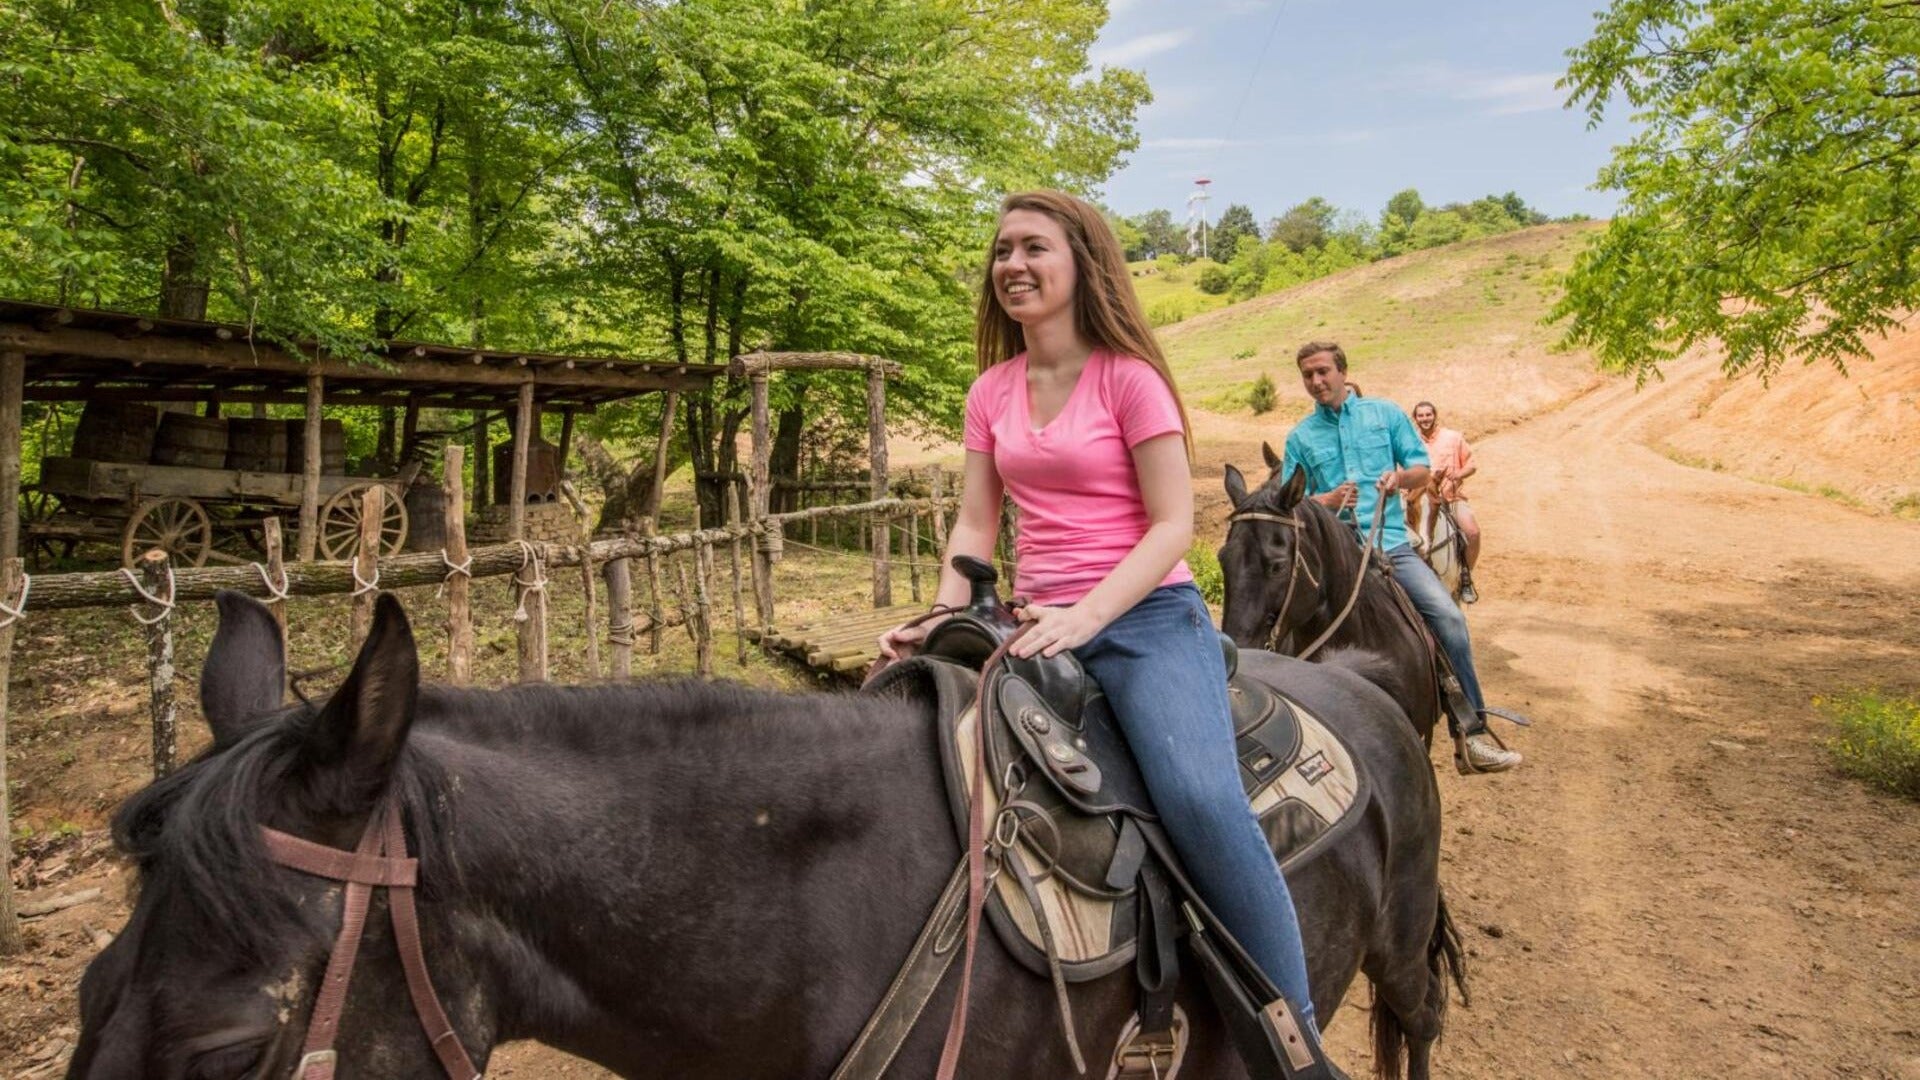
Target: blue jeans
(1443, 617)
(1161, 668)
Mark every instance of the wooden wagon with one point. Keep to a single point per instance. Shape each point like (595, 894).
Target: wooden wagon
(191, 511)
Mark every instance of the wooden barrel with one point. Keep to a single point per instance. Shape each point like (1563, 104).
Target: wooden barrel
(196, 441)
(333, 447)
(426, 516)
(116, 431)
(255, 445)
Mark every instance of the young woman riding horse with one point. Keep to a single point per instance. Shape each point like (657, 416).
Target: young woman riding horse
(1075, 416)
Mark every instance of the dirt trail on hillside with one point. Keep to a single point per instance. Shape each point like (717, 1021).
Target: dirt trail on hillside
(1676, 884)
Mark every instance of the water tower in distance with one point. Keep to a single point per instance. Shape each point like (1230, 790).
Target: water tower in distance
(1197, 215)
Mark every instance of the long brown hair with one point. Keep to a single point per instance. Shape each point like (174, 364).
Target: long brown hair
(1105, 310)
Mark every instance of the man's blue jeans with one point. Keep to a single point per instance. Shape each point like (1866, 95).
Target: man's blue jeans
(1443, 617)
(1161, 668)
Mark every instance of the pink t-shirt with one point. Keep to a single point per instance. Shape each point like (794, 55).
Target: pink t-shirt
(1080, 506)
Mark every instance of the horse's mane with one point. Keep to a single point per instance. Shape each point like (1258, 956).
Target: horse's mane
(199, 827)
(1336, 544)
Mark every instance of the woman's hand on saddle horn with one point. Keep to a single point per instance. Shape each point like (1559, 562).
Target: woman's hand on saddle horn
(1055, 629)
(904, 640)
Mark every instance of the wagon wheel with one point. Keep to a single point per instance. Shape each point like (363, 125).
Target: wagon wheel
(340, 523)
(180, 526)
(37, 508)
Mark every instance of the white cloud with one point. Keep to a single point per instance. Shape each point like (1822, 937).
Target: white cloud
(1138, 48)
(1504, 95)
(1190, 144)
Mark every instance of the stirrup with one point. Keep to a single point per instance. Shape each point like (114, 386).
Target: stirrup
(1150, 1055)
(1463, 761)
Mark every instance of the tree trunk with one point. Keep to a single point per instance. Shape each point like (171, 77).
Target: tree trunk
(786, 457)
(183, 284)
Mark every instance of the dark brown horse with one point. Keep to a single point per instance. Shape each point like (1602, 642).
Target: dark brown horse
(673, 879)
(1290, 566)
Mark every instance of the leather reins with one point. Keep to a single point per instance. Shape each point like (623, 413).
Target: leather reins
(1292, 520)
(380, 861)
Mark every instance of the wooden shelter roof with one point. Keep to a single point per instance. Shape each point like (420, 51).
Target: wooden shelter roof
(76, 354)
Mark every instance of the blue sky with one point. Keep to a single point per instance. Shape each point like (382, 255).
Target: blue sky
(1355, 100)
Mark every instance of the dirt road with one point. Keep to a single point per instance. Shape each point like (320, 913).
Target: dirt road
(1676, 884)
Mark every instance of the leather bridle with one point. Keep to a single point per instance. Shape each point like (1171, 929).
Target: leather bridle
(1292, 520)
(380, 861)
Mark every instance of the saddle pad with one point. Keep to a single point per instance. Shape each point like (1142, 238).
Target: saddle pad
(1306, 801)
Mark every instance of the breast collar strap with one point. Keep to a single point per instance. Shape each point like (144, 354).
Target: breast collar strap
(380, 861)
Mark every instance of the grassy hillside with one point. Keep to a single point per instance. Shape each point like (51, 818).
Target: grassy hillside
(1460, 325)
(1168, 292)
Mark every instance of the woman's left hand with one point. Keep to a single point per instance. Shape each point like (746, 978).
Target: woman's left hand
(1055, 629)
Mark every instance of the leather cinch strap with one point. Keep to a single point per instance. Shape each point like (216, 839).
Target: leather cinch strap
(380, 861)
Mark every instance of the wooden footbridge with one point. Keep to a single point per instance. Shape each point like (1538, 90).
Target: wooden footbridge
(844, 645)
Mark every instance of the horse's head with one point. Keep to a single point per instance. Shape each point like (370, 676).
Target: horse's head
(1269, 585)
(215, 974)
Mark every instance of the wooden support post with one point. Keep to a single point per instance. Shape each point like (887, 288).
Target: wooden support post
(482, 460)
(877, 458)
(739, 606)
(11, 571)
(913, 553)
(530, 583)
(409, 427)
(656, 612)
(156, 578)
(13, 374)
(660, 460)
(366, 562)
(592, 619)
(620, 615)
(566, 439)
(937, 485)
(310, 472)
(524, 433)
(703, 604)
(459, 586)
(275, 543)
(760, 491)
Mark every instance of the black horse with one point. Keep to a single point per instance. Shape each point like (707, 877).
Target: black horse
(1289, 565)
(673, 879)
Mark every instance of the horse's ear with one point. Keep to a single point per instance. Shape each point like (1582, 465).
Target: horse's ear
(1294, 489)
(1236, 486)
(245, 676)
(362, 727)
(1273, 459)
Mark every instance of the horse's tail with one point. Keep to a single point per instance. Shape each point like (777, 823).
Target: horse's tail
(1446, 963)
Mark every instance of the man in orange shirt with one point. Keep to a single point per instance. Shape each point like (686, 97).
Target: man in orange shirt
(1452, 463)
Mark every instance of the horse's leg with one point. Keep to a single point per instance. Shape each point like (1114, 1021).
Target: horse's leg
(1414, 952)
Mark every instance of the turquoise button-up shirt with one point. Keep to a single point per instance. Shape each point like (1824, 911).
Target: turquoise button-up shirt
(1358, 442)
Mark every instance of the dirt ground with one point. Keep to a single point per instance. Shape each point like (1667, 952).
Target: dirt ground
(1675, 885)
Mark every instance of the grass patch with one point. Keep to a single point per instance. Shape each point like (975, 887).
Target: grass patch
(1906, 506)
(1206, 573)
(1877, 738)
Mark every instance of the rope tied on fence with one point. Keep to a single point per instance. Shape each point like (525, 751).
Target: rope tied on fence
(771, 541)
(465, 568)
(165, 605)
(274, 592)
(13, 613)
(361, 586)
(528, 558)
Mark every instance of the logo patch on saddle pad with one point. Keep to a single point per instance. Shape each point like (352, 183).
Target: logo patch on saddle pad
(1315, 768)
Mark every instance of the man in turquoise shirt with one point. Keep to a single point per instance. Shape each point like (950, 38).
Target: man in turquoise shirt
(1357, 451)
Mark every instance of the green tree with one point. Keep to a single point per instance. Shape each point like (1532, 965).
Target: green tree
(1158, 235)
(1304, 226)
(1236, 224)
(1769, 198)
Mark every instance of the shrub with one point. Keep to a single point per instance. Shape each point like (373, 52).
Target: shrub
(1206, 573)
(1877, 738)
(1168, 312)
(1263, 396)
(1214, 281)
